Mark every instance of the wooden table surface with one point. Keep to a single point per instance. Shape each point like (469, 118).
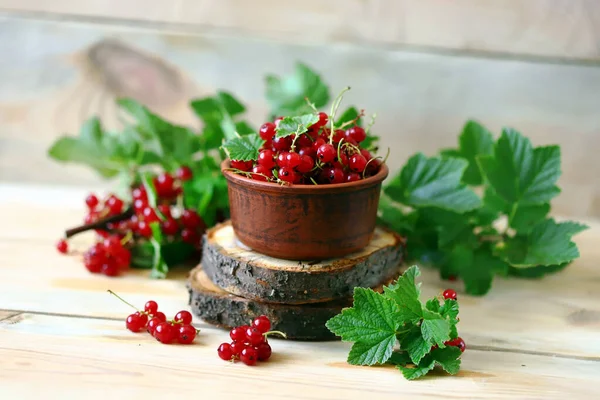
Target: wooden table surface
(62, 335)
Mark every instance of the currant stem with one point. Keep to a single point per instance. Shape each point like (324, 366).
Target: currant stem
(123, 300)
(127, 238)
(100, 224)
(334, 107)
(275, 333)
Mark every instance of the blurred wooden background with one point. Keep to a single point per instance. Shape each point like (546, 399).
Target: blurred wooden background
(425, 66)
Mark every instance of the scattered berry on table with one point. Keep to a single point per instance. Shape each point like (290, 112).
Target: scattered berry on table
(62, 246)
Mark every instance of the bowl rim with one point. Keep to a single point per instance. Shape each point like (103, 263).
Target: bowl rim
(263, 186)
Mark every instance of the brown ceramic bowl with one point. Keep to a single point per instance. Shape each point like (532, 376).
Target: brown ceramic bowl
(303, 222)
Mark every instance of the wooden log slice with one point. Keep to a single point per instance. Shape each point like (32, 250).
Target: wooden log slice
(299, 322)
(238, 270)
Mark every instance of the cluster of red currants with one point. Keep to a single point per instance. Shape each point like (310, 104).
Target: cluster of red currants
(178, 330)
(248, 342)
(111, 254)
(317, 156)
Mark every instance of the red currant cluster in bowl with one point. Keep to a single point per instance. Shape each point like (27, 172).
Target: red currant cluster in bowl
(179, 329)
(317, 156)
(249, 342)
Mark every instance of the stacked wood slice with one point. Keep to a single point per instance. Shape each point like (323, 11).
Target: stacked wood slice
(234, 284)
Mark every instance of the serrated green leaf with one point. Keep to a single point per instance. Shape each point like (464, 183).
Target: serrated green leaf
(349, 114)
(519, 173)
(448, 358)
(414, 344)
(433, 182)
(548, 243)
(159, 267)
(393, 217)
(526, 217)
(295, 125)
(372, 319)
(243, 148)
(435, 328)
(475, 140)
(371, 353)
(286, 95)
(433, 305)
(536, 272)
(412, 371)
(405, 293)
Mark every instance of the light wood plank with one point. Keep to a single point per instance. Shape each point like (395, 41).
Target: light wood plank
(522, 315)
(422, 100)
(73, 355)
(7, 314)
(555, 28)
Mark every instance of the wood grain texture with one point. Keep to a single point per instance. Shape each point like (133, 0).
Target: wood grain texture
(50, 86)
(246, 273)
(554, 28)
(72, 356)
(517, 315)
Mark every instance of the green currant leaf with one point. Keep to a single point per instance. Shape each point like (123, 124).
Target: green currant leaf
(243, 148)
(295, 125)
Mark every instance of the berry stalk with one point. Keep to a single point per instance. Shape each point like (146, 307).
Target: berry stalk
(100, 224)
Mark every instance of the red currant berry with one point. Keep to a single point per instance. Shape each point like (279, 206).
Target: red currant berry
(282, 143)
(254, 336)
(186, 334)
(357, 163)
(62, 246)
(366, 154)
(91, 217)
(287, 175)
(94, 258)
(249, 356)
(267, 131)
(143, 229)
(112, 244)
(189, 236)
(169, 226)
(139, 205)
(239, 333)
(160, 315)
(282, 159)
(139, 193)
(190, 219)
(308, 151)
(149, 215)
(261, 173)
(143, 317)
(165, 210)
(184, 317)
(460, 343)
(306, 165)
(357, 133)
(326, 153)
(338, 135)
(264, 351)
(351, 141)
(277, 120)
(151, 307)
(163, 184)
(114, 204)
(184, 173)
(352, 177)
(293, 160)
(323, 119)
(304, 141)
(241, 165)
(165, 332)
(224, 351)
(91, 201)
(152, 324)
(318, 143)
(341, 161)
(134, 323)
(333, 175)
(265, 158)
(449, 294)
(237, 347)
(110, 268)
(262, 323)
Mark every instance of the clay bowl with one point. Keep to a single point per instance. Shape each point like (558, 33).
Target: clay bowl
(303, 222)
